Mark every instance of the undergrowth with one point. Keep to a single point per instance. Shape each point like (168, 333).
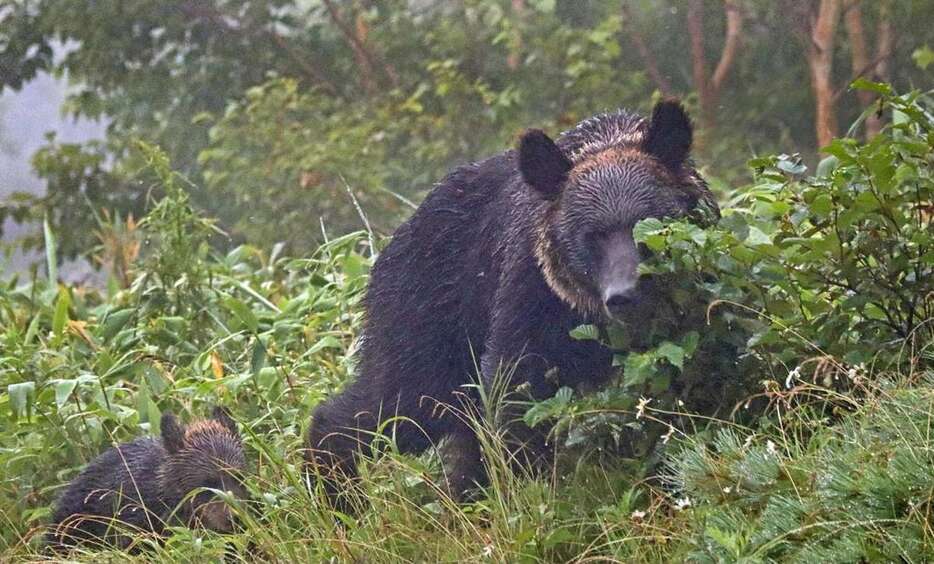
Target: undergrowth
(778, 408)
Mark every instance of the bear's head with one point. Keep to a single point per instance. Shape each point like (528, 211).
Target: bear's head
(206, 454)
(597, 182)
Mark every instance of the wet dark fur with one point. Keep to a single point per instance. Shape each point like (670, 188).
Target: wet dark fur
(483, 272)
(142, 485)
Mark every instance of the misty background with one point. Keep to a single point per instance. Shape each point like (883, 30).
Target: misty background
(26, 117)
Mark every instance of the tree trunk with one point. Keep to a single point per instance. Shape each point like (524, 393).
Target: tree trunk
(819, 50)
(699, 62)
(885, 46)
(708, 88)
(876, 67)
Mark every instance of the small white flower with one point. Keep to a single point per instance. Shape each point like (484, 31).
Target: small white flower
(682, 503)
(792, 376)
(747, 442)
(680, 403)
(667, 436)
(637, 515)
(727, 489)
(487, 551)
(640, 407)
(770, 447)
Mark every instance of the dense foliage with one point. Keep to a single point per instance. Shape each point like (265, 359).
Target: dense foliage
(779, 404)
(279, 109)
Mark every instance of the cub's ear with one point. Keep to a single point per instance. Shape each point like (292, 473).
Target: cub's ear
(542, 164)
(669, 134)
(173, 433)
(222, 416)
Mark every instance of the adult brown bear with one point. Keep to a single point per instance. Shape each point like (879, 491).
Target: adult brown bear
(498, 264)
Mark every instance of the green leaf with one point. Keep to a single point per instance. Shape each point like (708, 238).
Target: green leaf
(32, 330)
(242, 312)
(585, 333)
(20, 395)
(646, 228)
(63, 390)
(114, 322)
(638, 368)
(923, 57)
(877, 87)
(60, 317)
(672, 353)
(757, 237)
(258, 358)
(827, 165)
(51, 253)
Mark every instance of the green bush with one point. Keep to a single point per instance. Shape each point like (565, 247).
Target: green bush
(791, 286)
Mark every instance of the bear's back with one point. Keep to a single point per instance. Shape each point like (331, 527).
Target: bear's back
(122, 482)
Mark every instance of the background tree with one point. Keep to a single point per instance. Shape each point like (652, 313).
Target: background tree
(282, 112)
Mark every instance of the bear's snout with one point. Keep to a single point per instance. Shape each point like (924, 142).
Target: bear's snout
(619, 273)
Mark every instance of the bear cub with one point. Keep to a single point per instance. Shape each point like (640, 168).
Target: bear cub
(499, 263)
(139, 487)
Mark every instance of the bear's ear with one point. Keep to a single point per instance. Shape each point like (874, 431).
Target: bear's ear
(173, 433)
(669, 134)
(542, 164)
(222, 416)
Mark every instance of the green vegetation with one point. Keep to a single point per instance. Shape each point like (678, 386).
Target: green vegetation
(781, 409)
(273, 108)
(778, 407)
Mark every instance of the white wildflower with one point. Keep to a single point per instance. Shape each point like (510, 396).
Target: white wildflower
(487, 551)
(682, 504)
(727, 489)
(667, 436)
(637, 515)
(792, 376)
(770, 448)
(640, 407)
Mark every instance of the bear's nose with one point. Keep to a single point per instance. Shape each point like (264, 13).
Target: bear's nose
(618, 301)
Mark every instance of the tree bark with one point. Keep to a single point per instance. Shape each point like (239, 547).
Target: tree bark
(816, 32)
(885, 46)
(853, 19)
(709, 87)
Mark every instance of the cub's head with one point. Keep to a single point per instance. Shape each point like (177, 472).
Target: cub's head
(205, 454)
(599, 180)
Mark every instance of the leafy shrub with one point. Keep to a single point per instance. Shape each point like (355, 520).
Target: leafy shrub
(799, 275)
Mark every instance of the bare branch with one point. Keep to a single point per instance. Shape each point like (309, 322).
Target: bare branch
(734, 25)
(369, 61)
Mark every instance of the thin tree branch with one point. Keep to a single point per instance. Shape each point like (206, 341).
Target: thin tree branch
(859, 74)
(648, 59)
(223, 22)
(367, 57)
(734, 25)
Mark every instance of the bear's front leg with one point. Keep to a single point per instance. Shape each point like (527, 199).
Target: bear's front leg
(530, 354)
